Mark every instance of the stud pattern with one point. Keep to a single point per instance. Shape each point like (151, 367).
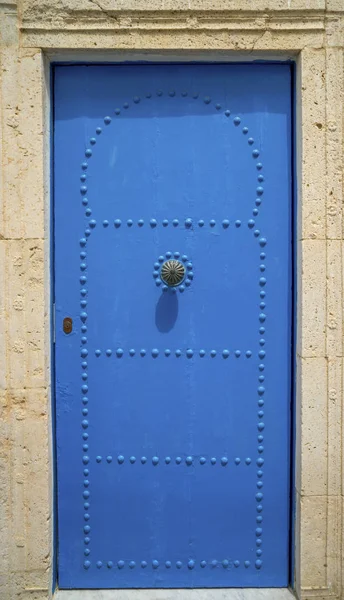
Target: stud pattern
(178, 352)
(189, 353)
(261, 327)
(178, 460)
(174, 223)
(190, 564)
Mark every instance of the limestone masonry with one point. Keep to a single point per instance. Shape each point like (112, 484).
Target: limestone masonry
(34, 33)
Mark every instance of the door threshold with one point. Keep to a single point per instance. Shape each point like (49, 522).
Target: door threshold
(178, 594)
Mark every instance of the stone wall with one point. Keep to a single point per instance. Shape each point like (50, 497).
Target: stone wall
(35, 32)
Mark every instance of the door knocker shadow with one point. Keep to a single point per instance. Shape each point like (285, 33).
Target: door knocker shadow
(166, 311)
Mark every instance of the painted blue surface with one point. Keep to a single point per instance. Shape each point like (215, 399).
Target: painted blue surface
(173, 409)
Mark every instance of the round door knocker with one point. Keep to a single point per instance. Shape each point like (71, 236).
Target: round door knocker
(173, 272)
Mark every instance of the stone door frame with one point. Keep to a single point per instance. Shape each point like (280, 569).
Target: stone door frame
(32, 40)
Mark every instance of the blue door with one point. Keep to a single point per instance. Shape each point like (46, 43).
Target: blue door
(172, 215)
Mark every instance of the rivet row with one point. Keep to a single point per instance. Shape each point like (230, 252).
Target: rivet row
(153, 223)
(260, 401)
(155, 352)
(84, 390)
(188, 460)
(155, 564)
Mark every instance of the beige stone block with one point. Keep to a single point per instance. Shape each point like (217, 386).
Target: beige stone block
(25, 314)
(342, 286)
(19, 532)
(313, 515)
(3, 325)
(334, 297)
(183, 41)
(8, 24)
(296, 575)
(10, 210)
(16, 297)
(22, 211)
(18, 589)
(5, 485)
(312, 179)
(342, 553)
(37, 501)
(311, 430)
(334, 545)
(31, 498)
(334, 418)
(31, 143)
(335, 31)
(334, 140)
(35, 314)
(334, 5)
(311, 301)
(33, 9)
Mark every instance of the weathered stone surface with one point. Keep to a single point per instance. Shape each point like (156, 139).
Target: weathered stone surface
(311, 32)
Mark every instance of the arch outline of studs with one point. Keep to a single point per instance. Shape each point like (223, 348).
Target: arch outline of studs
(83, 292)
